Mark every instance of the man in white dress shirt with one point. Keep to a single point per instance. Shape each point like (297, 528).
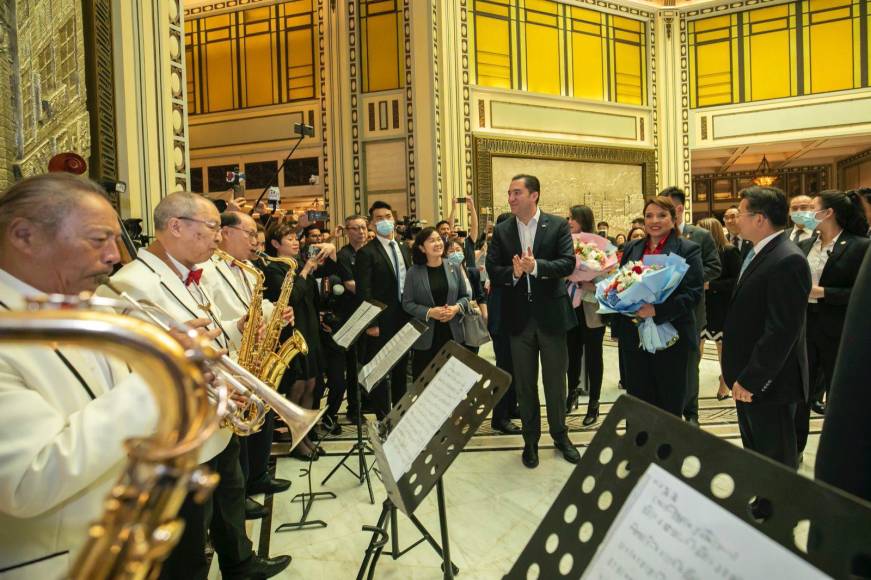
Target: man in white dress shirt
(232, 289)
(66, 412)
(188, 230)
(800, 206)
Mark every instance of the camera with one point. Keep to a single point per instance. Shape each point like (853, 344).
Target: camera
(317, 216)
(408, 227)
(313, 252)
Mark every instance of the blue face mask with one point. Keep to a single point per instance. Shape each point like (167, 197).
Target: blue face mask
(384, 228)
(456, 258)
(807, 219)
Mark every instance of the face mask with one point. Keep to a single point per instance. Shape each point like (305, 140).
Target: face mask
(807, 219)
(384, 228)
(456, 258)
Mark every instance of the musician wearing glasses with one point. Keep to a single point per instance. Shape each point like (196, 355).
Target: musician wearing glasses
(65, 413)
(188, 231)
(233, 289)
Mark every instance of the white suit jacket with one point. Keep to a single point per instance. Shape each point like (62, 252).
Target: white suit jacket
(230, 295)
(150, 278)
(61, 450)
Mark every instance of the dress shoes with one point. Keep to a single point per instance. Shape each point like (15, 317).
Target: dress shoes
(254, 510)
(592, 414)
(507, 427)
(268, 485)
(572, 399)
(694, 421)
(258, 568)
(818, 407)
(530, 455)
(567, 448)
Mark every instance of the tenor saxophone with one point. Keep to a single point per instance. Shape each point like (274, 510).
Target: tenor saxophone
(139, 526)
(274, 364)
(251, 350)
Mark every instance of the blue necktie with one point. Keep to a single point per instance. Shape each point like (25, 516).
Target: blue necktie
(747, 261)
(396, 268)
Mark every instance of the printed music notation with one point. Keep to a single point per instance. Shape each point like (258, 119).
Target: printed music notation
(666, 530)
(425, 417)
(357, 323)
(390, 353)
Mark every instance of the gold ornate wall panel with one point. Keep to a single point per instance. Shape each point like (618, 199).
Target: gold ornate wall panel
(354, 71)
(411, 178)
(855, 171)
(623, 176)
(97, 18)
(322, 85)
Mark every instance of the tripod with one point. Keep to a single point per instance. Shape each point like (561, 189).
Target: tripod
(380, 537)
(360, 448)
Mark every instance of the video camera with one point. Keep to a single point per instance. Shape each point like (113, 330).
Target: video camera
(408, 227)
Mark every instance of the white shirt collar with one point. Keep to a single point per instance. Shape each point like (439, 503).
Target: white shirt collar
(681, 227)
(384, 241)
(758, 246)
(182, 270)
(23, 288)
(819, 242)
(533, 220)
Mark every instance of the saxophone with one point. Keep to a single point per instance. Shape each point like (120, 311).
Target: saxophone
(250, 350)
(139, 527)
(273, 364)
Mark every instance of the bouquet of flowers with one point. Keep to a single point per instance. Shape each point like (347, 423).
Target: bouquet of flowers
(594, 256)
(650, 281)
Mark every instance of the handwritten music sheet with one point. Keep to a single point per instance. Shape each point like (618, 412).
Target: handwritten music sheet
(666, 529)
(384, 360)
(426, 416)
(360, 319)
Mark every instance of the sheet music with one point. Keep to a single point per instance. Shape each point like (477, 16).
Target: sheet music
(384, 360)
(666, 529)
(428, 413)
(360, 319)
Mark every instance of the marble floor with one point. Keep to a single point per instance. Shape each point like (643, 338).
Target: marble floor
(493, 502)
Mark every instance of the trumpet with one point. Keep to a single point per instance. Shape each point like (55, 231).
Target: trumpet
(248, 419)
(139, 527)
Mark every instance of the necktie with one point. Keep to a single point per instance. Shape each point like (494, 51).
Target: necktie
(796, 235)
(395, 258)
(747, 261)
(193, 276)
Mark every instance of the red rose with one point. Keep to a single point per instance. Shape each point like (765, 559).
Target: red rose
(637, 269)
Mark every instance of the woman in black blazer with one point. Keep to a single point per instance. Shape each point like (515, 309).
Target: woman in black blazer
(661, 378)
(834, 253)
(718, 294)
(435, 293)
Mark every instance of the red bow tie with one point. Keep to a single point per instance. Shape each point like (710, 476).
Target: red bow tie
(194, 276)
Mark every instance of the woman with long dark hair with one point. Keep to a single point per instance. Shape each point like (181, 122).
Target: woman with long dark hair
(834, 253)
(435, 293)
(719, 293)
(660, 378)
(584, 341)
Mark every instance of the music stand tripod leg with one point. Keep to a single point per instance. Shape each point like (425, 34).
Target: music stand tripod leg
(444, 551)
(360, 449)
(376, 543)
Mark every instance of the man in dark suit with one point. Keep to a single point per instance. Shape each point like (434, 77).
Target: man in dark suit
(528, 257)
(380, 275)
(711, 264)
(730, 220)
(764, 355)
(844, 453)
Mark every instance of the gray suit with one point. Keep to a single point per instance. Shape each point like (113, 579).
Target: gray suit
(711, 263)
(417, 300)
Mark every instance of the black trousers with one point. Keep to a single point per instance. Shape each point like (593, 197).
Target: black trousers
(585, 350)
(351, 379)
(337, 381)
(526, 348)
(390, 390)
(660, 378)
(222, 515)
(259, 448)
(769, 429)
(691, 406)
(822, 353)
(508, 403)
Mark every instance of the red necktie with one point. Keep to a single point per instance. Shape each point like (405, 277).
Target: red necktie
(194, 276)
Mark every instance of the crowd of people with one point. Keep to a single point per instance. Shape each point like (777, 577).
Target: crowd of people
(773, 298)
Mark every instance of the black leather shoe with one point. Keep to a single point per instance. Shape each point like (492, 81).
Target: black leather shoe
(258, 568)
(572, 399)
(530, 455)
(507, 427)
(592, 414)
(254, 510)
(268, 486)
(567, 448)
(818, 407)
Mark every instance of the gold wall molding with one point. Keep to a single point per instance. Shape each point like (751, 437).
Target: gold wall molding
(844, 164)
(322, 83)
(354, 60)
(411, 177)
(211, 8)
(488, 147)
(727, 8)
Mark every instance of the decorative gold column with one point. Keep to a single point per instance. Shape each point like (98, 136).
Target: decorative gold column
(672, 103)
(151, 102)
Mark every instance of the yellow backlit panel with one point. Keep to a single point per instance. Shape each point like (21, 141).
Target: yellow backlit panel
(300, 66)
(587, 61)
(709, 23)
(492, 42)
(382, 58)
(542, 59)
(761, 14)
(628, 73)
(713, 71)
(220, 84)
(831, 56)
(769, 66)
(259, 72)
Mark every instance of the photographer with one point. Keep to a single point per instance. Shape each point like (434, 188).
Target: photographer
(470, 238)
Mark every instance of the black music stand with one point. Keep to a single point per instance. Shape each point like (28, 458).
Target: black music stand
(360, 447)
(766, 495)
(407, 491)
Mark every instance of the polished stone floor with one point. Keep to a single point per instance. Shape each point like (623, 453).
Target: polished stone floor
(493, 503)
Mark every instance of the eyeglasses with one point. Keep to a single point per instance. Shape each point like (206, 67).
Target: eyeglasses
(214, 226)
(743, 213)
(251, 234)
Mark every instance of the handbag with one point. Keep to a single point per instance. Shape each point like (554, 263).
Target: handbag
(474, 327)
